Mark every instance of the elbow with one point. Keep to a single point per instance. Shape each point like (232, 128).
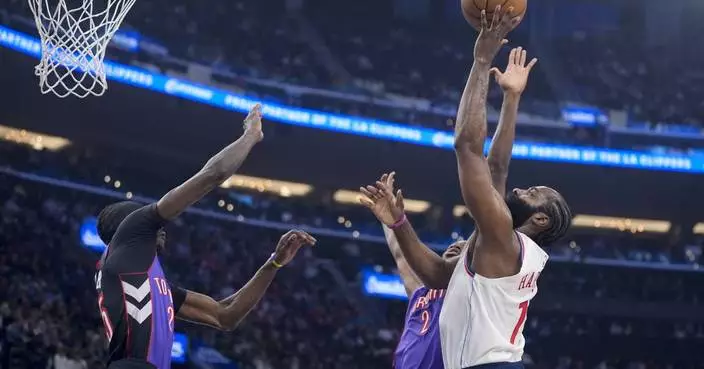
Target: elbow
(468, 147)
(227, 320)
(228, 325)
(460, 144)
(468, 151)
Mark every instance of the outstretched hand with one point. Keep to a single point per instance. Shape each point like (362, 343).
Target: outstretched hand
(380, 199)
(289, 244)
(253, 123)
(493, 36)
(515, 77)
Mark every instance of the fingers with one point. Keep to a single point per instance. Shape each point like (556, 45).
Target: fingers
(532, 64)
(305, 238)
(496, 72)
(375, 191)
(364, 200)
(503, 19)
(399, 199)
(391, 179)
(286, 238)
(256, 110)
(512, 56)
(523, 56)
(514, 22)
(297, 235)
(485, 26)
(383, 190)
(370, 192)
(497, 16)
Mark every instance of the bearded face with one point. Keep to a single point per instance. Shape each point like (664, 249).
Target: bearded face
(521, 210)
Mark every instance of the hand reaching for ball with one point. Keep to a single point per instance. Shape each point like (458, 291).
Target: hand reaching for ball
(493, 35)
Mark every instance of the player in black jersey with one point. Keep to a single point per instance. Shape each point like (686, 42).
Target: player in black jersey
(137, 304)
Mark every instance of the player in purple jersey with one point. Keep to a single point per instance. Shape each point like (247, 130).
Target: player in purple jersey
(137, 303)
(419, 345)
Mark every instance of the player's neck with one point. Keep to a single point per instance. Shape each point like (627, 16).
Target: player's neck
(528, 230)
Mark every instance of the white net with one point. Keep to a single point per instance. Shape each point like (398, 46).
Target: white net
(74, 39)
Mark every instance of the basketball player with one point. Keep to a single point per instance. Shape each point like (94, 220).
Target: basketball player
(137, 304)
(481, 322)
(419, 346)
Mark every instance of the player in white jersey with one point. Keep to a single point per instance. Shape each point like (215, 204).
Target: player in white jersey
(487, 300)
(490, 288)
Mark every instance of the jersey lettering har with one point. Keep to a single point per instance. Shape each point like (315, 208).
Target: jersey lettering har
(419, 346)
(482, 319)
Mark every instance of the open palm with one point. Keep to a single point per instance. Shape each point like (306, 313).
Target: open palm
(515, 78)
(380, 199)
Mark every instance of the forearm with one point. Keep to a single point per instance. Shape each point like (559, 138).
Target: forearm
(237, 306)
(409, 278)
(228, 160)
(392, 242)
(470, 128)
(432, 270)
(502, 143)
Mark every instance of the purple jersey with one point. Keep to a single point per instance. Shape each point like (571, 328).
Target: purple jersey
(162, 334)
(419, 346)
(136, 302)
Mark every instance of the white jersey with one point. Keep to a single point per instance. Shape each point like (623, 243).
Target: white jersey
(482, 318)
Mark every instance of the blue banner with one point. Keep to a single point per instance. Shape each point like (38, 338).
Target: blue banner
(370, 127)
(179, 349)
(383, 285)
(88, 235)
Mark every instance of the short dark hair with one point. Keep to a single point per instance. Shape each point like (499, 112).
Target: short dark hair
(560, 221)
(111, 217)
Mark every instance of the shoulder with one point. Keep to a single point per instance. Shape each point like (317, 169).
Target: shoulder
(146, 215)
(143, 222)
(531, 252)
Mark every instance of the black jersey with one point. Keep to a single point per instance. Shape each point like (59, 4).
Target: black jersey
(137, 304)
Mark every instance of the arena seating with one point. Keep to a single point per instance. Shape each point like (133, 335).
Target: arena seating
(47, 291)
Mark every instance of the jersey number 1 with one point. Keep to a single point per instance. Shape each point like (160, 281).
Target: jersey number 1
(523, 306)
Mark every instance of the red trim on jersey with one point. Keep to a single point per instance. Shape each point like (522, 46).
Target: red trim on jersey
(467, 267)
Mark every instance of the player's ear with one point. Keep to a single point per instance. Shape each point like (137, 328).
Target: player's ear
(540, 219)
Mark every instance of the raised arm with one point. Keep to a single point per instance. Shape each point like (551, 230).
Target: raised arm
(408, 277)
(229, 312)
(432, 270)
(486, 205)
(513, 82)
(218, 169)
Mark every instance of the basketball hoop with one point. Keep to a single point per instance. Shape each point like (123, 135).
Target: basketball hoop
(74, 39)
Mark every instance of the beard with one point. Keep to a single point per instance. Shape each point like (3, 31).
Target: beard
(520, 210)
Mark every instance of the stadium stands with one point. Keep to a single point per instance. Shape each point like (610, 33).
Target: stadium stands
(316, 298)
(609, 299)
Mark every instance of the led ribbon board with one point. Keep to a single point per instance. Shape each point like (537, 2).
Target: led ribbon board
(372, 128)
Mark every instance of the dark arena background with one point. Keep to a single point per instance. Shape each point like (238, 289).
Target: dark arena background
(612, 117)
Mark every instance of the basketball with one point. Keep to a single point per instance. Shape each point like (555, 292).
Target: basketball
(472, 9)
